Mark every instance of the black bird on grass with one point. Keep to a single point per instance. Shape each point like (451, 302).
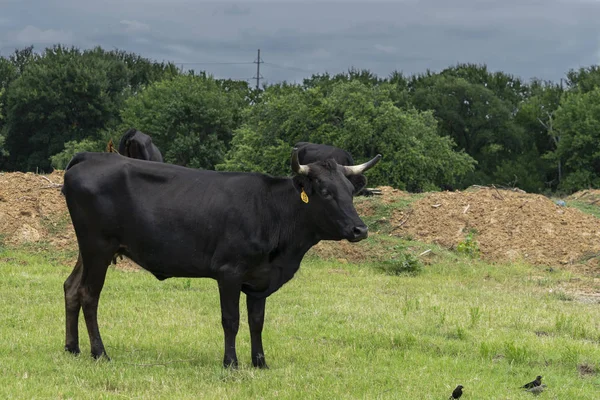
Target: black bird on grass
(534, 383)
(456, 393)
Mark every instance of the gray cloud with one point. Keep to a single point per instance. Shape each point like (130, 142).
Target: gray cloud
(527, 38)
(134, 26)
(31, 34)
(232, 10)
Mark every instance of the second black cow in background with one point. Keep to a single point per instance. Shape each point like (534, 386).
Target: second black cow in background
(313, 152)
(136, 144)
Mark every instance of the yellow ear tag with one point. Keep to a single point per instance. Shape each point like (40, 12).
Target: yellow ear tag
(304, 196)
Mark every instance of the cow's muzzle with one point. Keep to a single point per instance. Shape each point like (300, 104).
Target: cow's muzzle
(359, 233)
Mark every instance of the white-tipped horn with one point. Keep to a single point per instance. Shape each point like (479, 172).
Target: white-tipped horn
(359, 169)
(298, 168)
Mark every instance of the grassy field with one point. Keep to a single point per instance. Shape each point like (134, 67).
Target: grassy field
(585, 207)
(336, 331)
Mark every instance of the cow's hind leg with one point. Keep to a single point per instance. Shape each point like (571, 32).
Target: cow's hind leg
(229, 293)
(95, 266)
(256, 319)
(72, 307)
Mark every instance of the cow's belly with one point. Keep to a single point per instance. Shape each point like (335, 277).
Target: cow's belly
(170, 262)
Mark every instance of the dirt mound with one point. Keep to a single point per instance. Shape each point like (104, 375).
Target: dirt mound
(390, 195)
(32, 209)
(365, 206)
(590, 196)
(507, 225)
(342, 251)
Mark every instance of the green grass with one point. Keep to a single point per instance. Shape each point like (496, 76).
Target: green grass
(56, 225)
(336, 331)
(378, 220)
(585, 206)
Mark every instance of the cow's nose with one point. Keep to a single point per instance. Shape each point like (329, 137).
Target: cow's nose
(359, 233)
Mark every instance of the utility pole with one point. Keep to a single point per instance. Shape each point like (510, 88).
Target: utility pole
(258, 77)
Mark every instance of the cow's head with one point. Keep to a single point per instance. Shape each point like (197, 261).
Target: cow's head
(138, 146)
(329, 188)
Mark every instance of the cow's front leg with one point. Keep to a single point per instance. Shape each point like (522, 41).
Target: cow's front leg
(256, 319)
(229, 292)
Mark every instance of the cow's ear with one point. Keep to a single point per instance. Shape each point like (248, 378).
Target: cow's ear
(302, 182)
(358, 181)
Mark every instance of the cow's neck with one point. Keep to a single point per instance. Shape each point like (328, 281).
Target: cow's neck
(297, 230)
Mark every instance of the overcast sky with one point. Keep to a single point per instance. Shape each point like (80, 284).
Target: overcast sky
(527, 38)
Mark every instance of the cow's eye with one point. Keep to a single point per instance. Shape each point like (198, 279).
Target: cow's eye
(325, 193)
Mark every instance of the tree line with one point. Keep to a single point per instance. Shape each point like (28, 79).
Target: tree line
(461, 126)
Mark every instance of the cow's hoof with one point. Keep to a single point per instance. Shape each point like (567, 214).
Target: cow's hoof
(261, 365)
(101, 355)
(233, 364)
(260, 362)
(73, 350)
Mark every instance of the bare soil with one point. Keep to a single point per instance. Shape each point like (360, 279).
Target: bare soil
(590, 196)
(507, 226)
(32, 209)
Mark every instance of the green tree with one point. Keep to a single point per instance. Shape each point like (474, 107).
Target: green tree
(3, 152)
(190, 118)
(325, 82)
(141, 71)
(472, 115)
(578, 120)
(536, 117)
(262, 143)
(20, 58)
(506, 87)
(8, 72)
(60, 160)
(584, 79)
(354, 116)
(63, 95)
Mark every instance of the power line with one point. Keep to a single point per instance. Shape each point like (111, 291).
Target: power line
(215, 63)
(235, 79)
(257, 61)
(286, 67)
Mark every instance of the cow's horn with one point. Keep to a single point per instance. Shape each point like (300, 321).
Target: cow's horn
(359, 169)
(298, 168)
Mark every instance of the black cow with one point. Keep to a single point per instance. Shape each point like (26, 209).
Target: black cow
(248, 231)
(312, 152)
(136, 144)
